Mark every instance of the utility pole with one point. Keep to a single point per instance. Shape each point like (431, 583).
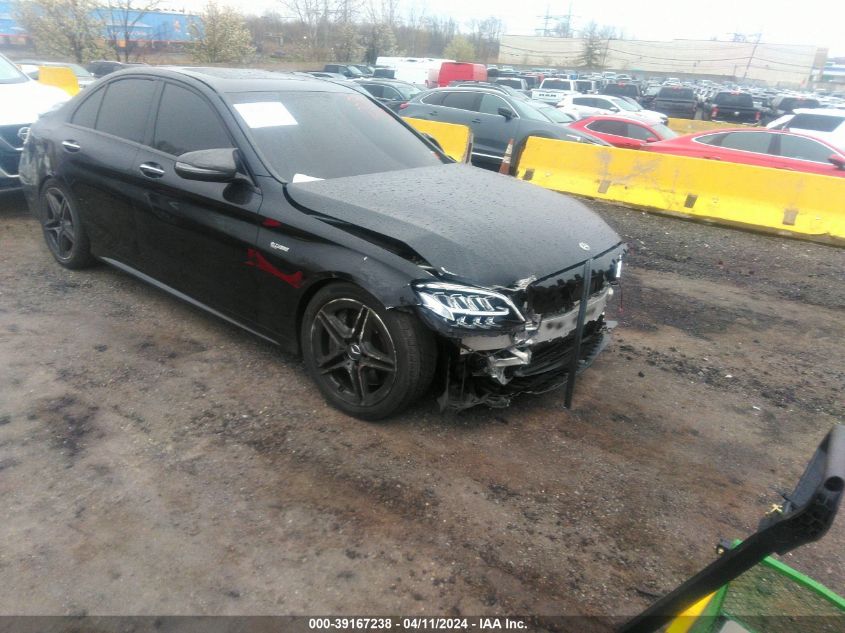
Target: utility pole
(548, 17)
(751, 57)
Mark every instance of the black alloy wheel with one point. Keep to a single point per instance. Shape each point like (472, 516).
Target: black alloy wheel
(354, 351)
(367, 361)
(63, 229)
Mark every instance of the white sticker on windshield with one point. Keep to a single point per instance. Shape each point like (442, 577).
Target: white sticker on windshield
(265, 114)
(304, 178)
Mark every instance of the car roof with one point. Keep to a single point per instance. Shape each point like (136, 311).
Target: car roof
(821, 111)
(757, 130)
(607, 117)
(237, 79)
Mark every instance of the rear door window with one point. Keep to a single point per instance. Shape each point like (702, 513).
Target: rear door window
(86, 114)
(711, 139)
(434, 98)
(462, 100)
(126, 108)
(377, 90)
(389, 92)
(616, 128)
(490, 104)
(757, 142)
(186, 122)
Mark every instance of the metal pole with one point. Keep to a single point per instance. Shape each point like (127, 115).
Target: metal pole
(586, 276)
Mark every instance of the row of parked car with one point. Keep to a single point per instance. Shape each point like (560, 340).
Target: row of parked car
(500, 117)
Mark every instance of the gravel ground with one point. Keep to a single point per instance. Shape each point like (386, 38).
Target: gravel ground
(154, 460)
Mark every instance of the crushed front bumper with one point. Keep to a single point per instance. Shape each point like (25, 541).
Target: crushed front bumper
(492, 370)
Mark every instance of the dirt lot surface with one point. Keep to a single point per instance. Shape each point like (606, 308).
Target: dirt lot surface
(154, 460)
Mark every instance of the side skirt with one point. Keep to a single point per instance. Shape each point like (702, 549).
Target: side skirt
(181, 295)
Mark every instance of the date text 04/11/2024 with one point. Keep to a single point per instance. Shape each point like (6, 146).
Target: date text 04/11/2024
(417, 623)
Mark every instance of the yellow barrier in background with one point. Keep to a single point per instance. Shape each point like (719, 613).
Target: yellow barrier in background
(688, 126)
(59, 76)
(774, 200)
(456, 140)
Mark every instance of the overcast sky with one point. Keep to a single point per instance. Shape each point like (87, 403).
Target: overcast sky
(817, 22)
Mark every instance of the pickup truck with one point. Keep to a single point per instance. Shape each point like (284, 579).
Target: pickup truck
(735, 107)
(553, 90)
(676, 101)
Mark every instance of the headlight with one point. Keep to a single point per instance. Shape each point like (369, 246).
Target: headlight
(468, 307)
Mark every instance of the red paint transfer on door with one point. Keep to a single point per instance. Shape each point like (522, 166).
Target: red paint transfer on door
(254, 258)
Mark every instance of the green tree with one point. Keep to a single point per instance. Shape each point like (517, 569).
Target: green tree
(63, 28)
(222, 38)
(460, 49)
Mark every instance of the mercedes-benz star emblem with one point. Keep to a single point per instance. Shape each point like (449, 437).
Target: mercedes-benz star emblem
(584, 245)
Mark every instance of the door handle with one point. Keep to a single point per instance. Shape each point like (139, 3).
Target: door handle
(71, 146)
(151, 170)
(476, 121)
(434, 113)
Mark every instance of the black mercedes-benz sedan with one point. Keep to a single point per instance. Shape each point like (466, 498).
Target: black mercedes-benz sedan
(312, 216)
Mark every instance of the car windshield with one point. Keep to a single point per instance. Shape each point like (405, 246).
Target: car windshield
(9, 73)
(321, 135)
(552, 113)
(626, 105)
(79, 71)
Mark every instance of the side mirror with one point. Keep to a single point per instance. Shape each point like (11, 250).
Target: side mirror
(209, 165)
(837, 160)
(614, 109)
(652, 139)
(507, 113)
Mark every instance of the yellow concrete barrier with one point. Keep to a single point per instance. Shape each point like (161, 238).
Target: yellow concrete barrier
(456, 140)
(773, 200)
(688, 126)
(59, 76)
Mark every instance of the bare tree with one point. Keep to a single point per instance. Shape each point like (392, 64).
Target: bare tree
(310, 14)
(596, 42)
(123, 17)
(485, 35)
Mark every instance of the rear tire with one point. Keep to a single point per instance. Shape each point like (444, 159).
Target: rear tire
(62, 227)
(367, 361)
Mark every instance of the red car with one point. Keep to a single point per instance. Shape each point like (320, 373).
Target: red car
(762, 147)
(622, 132)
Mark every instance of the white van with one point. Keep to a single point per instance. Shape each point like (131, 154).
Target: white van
(413, 70)
(22, 101)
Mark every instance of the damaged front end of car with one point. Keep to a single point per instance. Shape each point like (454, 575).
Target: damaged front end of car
(502, 341)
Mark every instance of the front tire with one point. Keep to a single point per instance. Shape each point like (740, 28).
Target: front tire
(367, 361)
(62, 227)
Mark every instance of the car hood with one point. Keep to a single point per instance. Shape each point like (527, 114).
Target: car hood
(467, 223)
(24, 102)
